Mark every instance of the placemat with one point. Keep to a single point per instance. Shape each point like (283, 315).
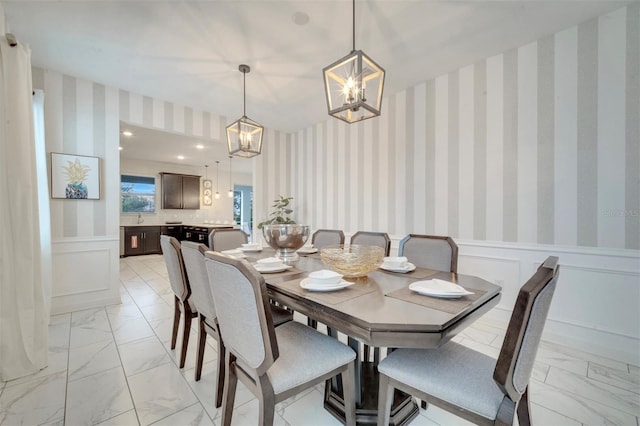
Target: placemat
(418, 273)
(329, 297)
(292, 271)
(451, 306)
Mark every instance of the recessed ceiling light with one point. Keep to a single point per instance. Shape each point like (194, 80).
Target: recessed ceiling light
(180, 157)
(120, 148)
(300, 18)
(200, 146)
(127, 133)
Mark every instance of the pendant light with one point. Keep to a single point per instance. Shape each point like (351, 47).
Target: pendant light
(217, 180)
(206, 187)
(230, 193)
(353, 84)
(244, 136)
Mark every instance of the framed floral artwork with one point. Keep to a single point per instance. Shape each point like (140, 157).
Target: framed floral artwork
(75, 177)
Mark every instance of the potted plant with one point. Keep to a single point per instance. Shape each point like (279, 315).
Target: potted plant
(281, 213)
(281, 232)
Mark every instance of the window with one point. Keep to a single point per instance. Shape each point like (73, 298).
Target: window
(137, 194)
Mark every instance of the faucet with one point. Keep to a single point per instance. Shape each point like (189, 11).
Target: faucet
(140, 219)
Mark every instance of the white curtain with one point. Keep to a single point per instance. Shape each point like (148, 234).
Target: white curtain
(23, 299)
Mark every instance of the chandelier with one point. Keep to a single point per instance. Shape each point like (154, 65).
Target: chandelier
(353, 84)
(244, 136)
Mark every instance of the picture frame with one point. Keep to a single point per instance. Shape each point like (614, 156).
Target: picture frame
(75, 177)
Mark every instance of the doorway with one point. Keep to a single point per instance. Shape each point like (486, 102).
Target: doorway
(243, 207)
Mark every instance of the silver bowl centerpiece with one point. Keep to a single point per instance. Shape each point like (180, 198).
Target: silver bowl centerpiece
(286, 239)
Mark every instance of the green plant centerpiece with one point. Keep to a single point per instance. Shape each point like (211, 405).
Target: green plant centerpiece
(282, 233)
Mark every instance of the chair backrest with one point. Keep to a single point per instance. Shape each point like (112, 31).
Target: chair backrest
(380, 239)
(242, 306)
(226, 239)
(327, 237)
(193, 256)
(175, 267)
(430, 251)
(518, 352)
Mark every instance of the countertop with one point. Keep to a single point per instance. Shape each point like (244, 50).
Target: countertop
(200, 225)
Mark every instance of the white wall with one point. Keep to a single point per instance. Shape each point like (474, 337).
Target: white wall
(83, 117)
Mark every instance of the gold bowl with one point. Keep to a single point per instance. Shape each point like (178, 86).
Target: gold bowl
(352, 261)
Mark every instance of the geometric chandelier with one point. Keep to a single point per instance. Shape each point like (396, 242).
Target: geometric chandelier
(244, 136)
(354, 84)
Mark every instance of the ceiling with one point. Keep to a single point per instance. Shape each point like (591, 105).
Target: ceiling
(160, 146)
(188, 52)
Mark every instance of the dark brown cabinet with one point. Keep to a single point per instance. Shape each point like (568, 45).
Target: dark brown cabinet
(174, 231)
(141, 240)
(180, 191)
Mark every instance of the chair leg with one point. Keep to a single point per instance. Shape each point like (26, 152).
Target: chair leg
(523, 410)
(221, 368)
(267, 405)
(423, 404)
(176, 321)
(202, 340)
(185, 334)
(230, 384)
(385, 398)
(348, 392)
(312, 323)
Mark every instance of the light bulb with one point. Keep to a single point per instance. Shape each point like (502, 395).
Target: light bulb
(230, 193)
(217, 195)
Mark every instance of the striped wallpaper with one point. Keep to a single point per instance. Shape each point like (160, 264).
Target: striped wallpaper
(83, 117)
(537, 145)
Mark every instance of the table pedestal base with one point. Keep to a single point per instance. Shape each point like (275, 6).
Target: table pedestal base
(403, 409)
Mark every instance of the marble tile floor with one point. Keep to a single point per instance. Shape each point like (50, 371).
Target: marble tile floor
(113, 366)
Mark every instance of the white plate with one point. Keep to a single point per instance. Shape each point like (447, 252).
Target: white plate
(251, 249)
(271, 269)
(439, 288)
(307, 251)
(238, 254)
(307, 284)
(408, 268)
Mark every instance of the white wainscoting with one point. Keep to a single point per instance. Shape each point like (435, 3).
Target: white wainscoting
(85, 273)
(596, 303)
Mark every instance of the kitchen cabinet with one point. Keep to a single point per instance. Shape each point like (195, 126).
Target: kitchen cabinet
(180, 191)
(141, 240)
(174, 231)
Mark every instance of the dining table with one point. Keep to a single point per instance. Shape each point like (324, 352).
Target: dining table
(380, 311)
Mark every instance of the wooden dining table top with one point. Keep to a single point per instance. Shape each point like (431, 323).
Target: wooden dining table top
(378, 309)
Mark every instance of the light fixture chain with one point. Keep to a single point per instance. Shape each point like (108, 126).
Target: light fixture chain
(244, 93)
(353, 19)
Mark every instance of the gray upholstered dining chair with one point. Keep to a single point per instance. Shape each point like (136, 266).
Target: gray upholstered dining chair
(380, 239)
(459, 379)
(227, 239)
(327, 237)
(430, 251)
(274, 363)
(181, 290)
(193, 255)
